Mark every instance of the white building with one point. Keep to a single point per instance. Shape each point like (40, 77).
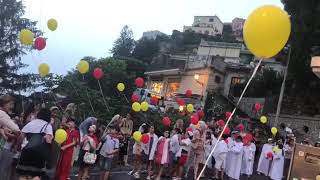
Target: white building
(210, 25)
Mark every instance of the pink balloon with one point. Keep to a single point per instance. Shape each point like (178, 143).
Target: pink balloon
(139, 82)
(181, 102)
(194, 119)
(227, 131)
(249, 137)
(166, 121)
(135, 98)
(221, 123)
(228, 114)
(241, 127)
(98, 73)
(40, 43)
(257, 106)
(188, 93)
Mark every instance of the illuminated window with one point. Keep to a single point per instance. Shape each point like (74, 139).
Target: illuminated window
(157, 86)
(172, 89)
(235, 80)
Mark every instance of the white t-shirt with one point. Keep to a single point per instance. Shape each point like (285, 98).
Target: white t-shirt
(185, 147)
(36, 125)
(174, 144)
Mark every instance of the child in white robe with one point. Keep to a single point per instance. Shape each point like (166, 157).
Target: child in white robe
(249, 151)
(220, 155)
(235, 158)
(276, 170)
(264, 161)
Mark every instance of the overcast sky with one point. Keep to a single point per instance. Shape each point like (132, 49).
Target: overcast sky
(89, 27)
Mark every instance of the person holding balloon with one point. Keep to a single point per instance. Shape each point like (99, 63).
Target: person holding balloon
(277, 166)
(149, 148)
(88, 144)
(65, 159)
(264, 160)
(35, 154)
(137, 150)
(126, 126)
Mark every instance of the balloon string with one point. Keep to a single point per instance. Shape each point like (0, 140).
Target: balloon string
(126, 98)
(89, 98)
(104, 99)
(234, 110)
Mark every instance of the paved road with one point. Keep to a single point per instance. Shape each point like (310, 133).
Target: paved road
(122, 174)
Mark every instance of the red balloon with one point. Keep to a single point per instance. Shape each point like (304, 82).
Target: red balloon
(228, 114)
(245, 142)
(154, 100)
(40, 43)
(189, 129)
(269, 155)
(241, 127)
(98, 73)
(181, 102)
(135, 98)
(221, 123)
(200, 114)
(226, 131)
(166, 121)
(249, 137)
(257, 106)
(194, 119)
(189, 93)
(145, 138)
(139, 82)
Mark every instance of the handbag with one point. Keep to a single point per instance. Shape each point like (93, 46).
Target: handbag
(90, 157)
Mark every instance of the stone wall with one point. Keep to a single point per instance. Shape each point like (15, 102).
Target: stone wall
(297, 122)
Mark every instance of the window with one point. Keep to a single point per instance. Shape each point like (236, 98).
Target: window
(235, 80)
(217, 79)
(156, 86)
(211, 20)
(172, 89)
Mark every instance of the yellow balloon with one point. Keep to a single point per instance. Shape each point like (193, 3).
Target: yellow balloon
(26, 37)
(266, 31)
(137, 136)
(274, 131)
(52, 24)
(276, 149)
(83, 66)
(60, 136)
(144, 106)
(318, 177)
(190, 108)
(136, 107)
(43, 69)
(120, 87)
(263, 119)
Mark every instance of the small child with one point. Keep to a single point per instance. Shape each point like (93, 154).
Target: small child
(220, 156)
(183, 153)
(109, 148)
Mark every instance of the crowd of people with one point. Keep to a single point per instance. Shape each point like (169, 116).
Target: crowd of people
(29, 147)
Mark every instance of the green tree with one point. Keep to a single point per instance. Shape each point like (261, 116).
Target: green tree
(11, 50)
(124, 45)
(305, 33)
(146, 49)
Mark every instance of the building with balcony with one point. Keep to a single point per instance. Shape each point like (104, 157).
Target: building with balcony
(209, 25)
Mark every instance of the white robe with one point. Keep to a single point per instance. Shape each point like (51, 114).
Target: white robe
(276, 170)
(228, 162)
(236, 151)
(220, 155)
(165, 151)
(145, 147)
(264, 162)
(248, 159)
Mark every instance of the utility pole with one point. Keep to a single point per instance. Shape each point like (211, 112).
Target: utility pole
(282, 88)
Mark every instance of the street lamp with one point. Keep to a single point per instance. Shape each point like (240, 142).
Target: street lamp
(197, 77)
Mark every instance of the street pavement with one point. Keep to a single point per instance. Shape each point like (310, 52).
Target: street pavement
(122, 174)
